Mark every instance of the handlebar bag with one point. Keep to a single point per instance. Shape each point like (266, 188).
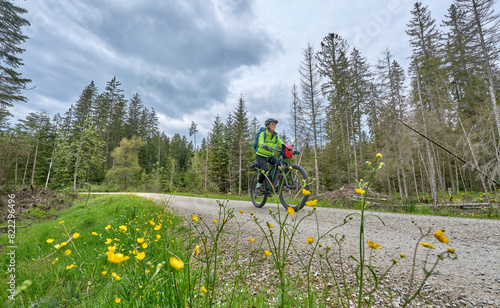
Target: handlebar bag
(288, 150)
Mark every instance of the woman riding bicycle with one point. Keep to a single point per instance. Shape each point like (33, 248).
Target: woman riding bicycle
(268, 141)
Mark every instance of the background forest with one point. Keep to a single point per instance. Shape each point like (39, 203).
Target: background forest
(343, 111)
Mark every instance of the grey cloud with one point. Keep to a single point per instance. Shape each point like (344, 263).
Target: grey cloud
(178, 54)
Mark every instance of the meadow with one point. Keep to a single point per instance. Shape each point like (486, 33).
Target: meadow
(131, 251)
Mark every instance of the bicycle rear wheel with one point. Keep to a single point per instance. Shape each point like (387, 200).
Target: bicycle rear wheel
(294, 181)
(258, 201)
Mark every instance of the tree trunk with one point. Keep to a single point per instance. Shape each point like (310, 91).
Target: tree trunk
(487, 65)
(6, 158)
(240, 169)
(432, 171)
(414, 176)
(206, 167)
(475, 160)
(77, 162)
(26, 168)
(36, 153)
(403, 172)
(354, 147)
(15, 174)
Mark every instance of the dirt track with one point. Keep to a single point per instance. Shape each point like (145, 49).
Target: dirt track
(473, 280)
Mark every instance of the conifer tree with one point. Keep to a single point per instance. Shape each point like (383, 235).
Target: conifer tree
(218, 155)
(11, 37)
(192, 132)
(333, 64)
(312, 104)
(485, 39)
(133, 122)
(84, 107)
(241, 138)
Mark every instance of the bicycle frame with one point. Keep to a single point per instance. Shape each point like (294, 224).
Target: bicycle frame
(277, 178)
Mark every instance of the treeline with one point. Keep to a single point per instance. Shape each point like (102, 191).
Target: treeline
(348, 109)
(343, 111)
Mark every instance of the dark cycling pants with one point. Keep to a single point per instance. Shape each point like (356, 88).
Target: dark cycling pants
(263, 161)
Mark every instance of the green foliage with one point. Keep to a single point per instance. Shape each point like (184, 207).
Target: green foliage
(81, 268)
(126, 170)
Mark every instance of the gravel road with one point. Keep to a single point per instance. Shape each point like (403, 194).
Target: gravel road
(473, 280)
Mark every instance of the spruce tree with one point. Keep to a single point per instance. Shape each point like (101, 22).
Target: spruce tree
(312, 103)
(11, 37)
(242, 140)
(134, 113)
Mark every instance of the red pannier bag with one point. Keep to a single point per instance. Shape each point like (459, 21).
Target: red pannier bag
(288, 150)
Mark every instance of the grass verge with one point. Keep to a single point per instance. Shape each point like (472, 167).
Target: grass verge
(112, 250)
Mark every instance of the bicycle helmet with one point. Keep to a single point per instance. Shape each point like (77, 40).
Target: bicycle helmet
(268, 121)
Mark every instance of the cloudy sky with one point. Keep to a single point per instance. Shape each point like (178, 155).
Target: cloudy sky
(191, 59)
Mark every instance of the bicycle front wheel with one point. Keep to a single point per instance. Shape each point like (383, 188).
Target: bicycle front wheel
(294, 180)
(257, 200)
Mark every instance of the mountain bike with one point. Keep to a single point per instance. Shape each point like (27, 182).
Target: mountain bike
(285, 180)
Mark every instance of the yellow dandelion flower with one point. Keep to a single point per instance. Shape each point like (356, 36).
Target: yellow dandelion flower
(290, 168)
(50, 240)
(118, 300)
(123, 228)
(118, 278)
(108, 241)
(141, 255)
(194, 218)
(215, 221)
(57, 246)
(158, 236)
(144, 246)
(95, 233)
(116, 257)
(241, 211)
(64, 244)
(70, 266)
(441, 237)
(426, 245)
(104, 272)
(359, 191)
(379, 156)
(113, 274)
(57, 259)
(290, 210)
(61, 222)
(158, 227)
(252, 240)
(76, 235)
(176, 263)
(229, 193)
(451, 250)
(306, 192)
(312, 202)
(310, 240)
(197, 250)
(373, 245)
(203, 289)
(140, 240)
(108, 227)
(270, 226)
(147, 271)
(67, 252)
(267, 253)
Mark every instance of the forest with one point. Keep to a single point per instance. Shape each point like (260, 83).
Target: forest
(343, 111)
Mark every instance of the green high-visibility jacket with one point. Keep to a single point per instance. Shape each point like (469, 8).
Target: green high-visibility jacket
(272, 141)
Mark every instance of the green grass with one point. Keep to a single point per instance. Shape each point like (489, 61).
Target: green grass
(53, 284)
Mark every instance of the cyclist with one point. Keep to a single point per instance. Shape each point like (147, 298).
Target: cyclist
(268, 140)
